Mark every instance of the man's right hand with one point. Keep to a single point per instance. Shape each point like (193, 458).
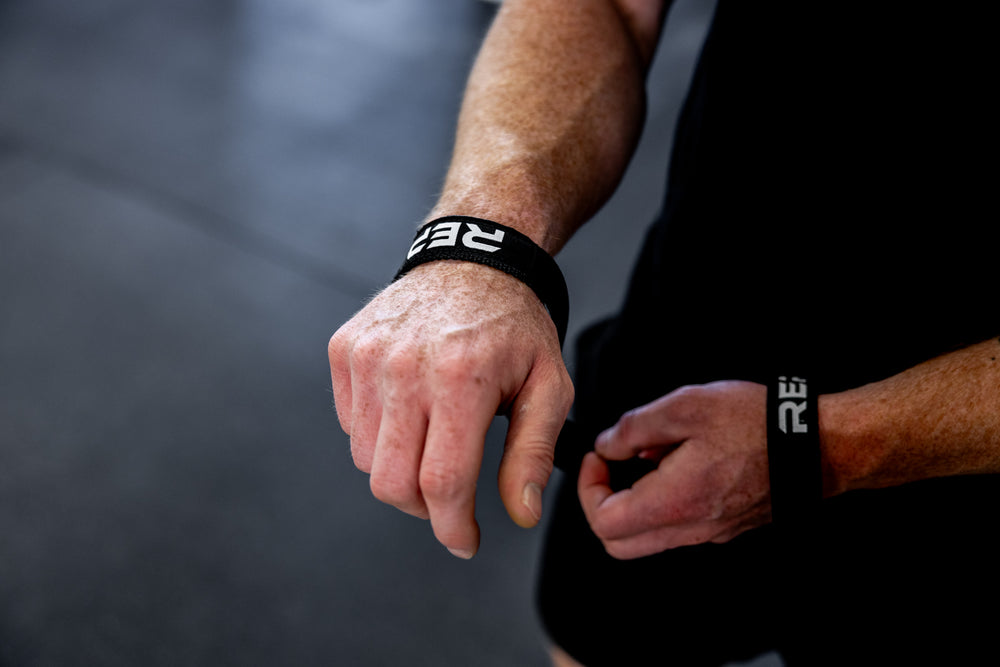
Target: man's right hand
(418, 376)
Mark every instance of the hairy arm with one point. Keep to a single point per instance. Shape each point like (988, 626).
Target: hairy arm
(552, 112)
(937, 419)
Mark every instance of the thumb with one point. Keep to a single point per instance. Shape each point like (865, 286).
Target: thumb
(536, 417)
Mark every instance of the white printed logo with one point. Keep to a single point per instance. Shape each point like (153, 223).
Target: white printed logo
(446, 234)
(791, 409)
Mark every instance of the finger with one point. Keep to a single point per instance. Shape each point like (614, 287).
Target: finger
(399, 448)
(652, 426)
(402, 429)
(659, 540)
(622, 520)
(593, 487)
(449, 469)
(366, 410)
(537, 415)
(340, 374)
(646, 506)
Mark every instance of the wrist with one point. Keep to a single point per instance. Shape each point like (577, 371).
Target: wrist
(793, 455)
(533, 222)
(850, 450)
(482, 241)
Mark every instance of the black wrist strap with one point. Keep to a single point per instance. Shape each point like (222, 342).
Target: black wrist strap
(504, 248)
(793, 450)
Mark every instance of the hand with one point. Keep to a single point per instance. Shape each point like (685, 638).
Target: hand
(418, 376)
(712, 479)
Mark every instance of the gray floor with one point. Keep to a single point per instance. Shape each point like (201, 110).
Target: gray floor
(193, 197)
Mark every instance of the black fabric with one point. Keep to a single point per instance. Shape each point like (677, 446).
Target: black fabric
(485, 242)
(899, 577)
(793, 453)
(828, 206)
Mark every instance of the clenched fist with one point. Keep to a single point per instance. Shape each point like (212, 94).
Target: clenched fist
(418, 376)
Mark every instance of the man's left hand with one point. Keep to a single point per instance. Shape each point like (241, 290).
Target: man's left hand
(711, 482)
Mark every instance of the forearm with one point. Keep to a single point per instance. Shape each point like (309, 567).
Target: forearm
(937, 419)
(552, 112)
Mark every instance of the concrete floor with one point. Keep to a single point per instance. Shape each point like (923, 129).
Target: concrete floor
(193, 197)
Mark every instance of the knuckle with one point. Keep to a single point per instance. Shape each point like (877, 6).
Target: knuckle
(690, 404)
(687, 396)
(534, 458)
(558, 378)
(536, 454)
(337, 344)
(340, 369)
(393, 490)
(365, 353)
(341, 346)
(602, 530)
(441, 483)
(627, 424)
(400, 364)
(618, 551)
(568, 391)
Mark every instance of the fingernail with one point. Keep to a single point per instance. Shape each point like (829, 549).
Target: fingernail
(532, 499)
(464, 554)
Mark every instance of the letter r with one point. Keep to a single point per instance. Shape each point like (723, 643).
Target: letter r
(795, 410)
(469, 239)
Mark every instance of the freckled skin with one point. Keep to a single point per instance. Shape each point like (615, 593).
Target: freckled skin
(937, 419)
(552, 113)
(710, 485)
(428, 381)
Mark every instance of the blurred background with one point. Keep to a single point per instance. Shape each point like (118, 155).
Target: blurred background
(193, 197)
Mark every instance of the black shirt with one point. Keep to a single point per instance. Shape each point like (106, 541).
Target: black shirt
(828, 204)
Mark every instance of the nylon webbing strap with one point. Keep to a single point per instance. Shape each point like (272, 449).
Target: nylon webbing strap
(793, 450)
(504, 248)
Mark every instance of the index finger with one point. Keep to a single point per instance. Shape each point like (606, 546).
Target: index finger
(614, 515)
(593, 488)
